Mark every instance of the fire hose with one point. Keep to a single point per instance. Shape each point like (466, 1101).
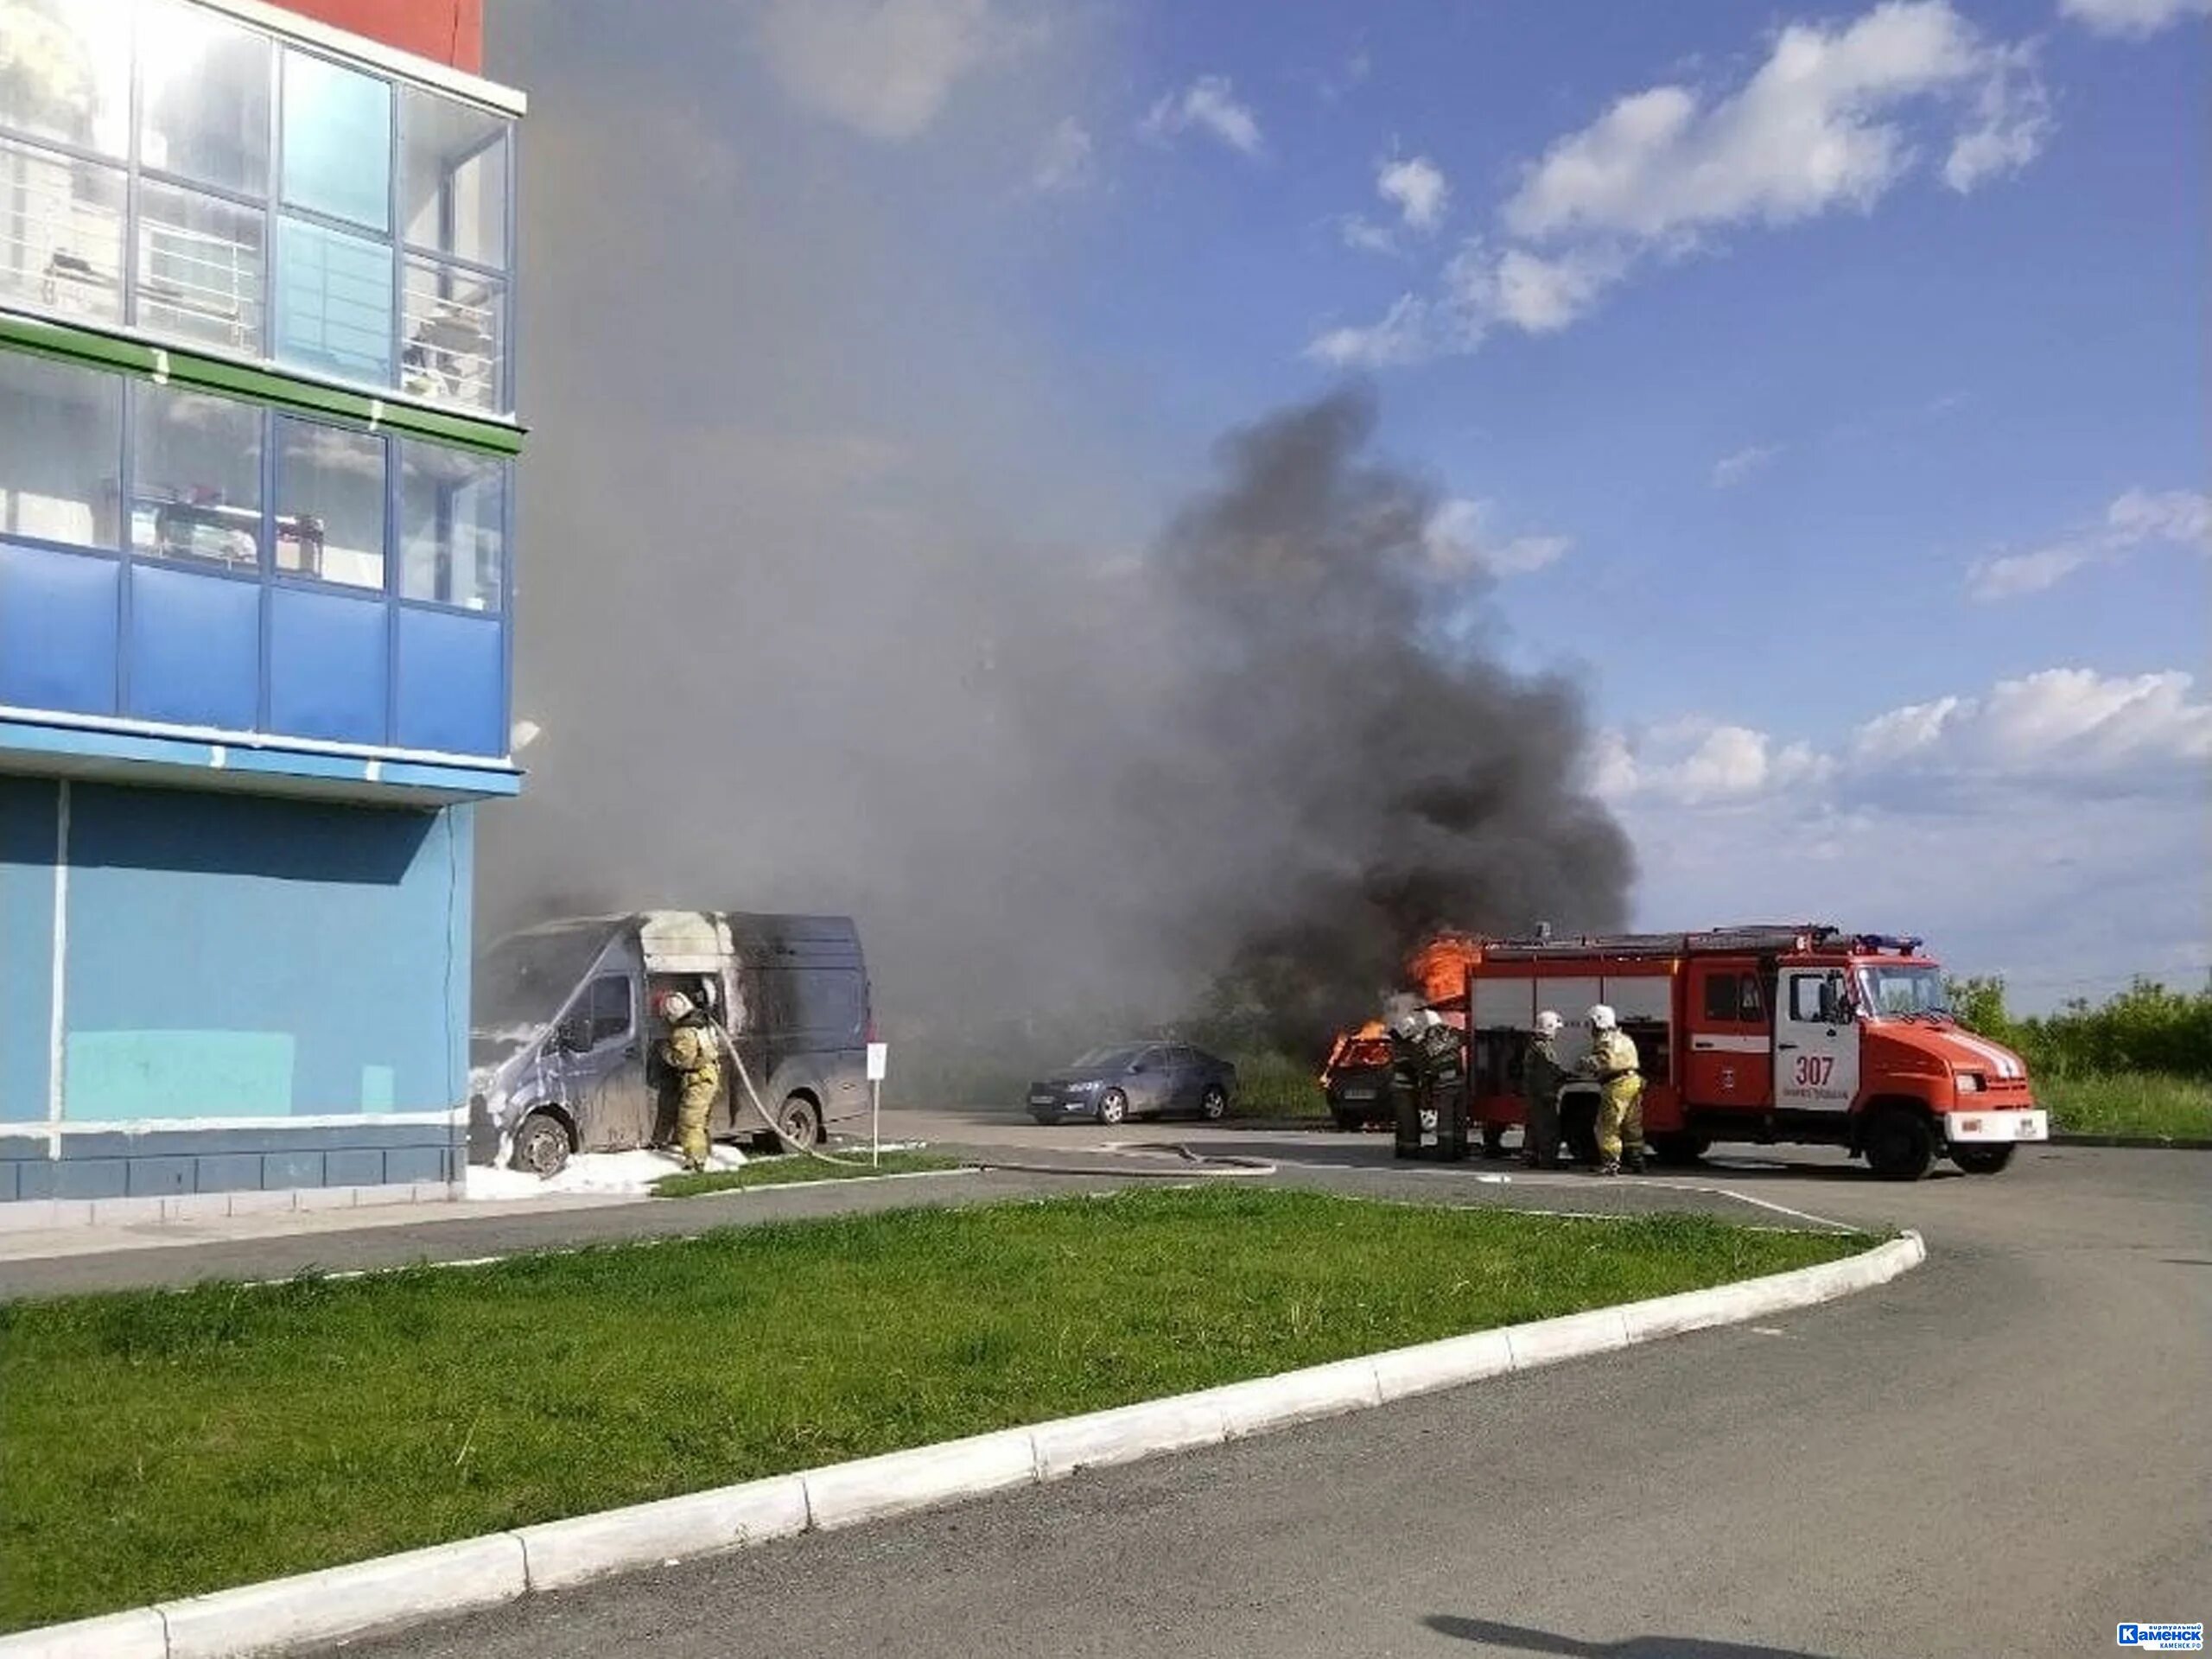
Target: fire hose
(1192, 1163)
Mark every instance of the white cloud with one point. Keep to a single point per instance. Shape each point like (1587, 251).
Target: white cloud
(2015, 574)
(1418, 189)
(884, 68)
(1401, 337)
(1833, 118)
(1820, 124)
(2133, 18)
(1536, 293)
(1354, 72)
(1458, 542)
(2139, 518)
(1064, 161)
(2064, 732)
(1480, 290)
(2011, 122)
(2052, 824)
(2065, 729)
(1363, 233)
(1698, 763)
(2177, 516)
(1732, 470)
(1210, 105)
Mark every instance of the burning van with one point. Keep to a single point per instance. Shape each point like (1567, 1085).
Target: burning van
(564, 1048)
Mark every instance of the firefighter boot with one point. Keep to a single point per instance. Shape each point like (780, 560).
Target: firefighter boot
(1611, 1166)
(1632, 1160)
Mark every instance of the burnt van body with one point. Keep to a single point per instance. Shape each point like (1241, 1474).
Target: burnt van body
(565, 1045)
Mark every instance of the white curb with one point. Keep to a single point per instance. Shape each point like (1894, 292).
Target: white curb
(1299, 1397)
(845, 1494)
(343, 1601)
(475, 1573)
(1102, 1439)
(138, 1634)
(1404, 1372)
(559, 1553)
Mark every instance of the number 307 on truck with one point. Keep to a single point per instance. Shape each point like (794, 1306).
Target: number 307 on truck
(1798, 1033)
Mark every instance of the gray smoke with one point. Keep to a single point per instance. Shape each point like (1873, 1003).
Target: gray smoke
(832, 600)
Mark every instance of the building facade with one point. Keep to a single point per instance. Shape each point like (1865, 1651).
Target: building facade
(256, 570)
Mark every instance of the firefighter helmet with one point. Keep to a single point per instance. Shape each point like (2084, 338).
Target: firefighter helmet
(1548, 1024)
(674, 1006)
(1602, 1018)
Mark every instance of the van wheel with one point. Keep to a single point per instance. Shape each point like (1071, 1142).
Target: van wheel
(1113, 1106)
(1213, 1105)
(1982, 1160)
(1900, 1146)
(800, 1121)
(542, 1146)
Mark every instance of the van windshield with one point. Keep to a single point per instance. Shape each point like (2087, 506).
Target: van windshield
(522, 982)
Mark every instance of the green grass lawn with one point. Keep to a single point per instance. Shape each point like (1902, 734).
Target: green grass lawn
(1270, 1085)
(2129, 1102)
(791, 1168)
(158, 1444)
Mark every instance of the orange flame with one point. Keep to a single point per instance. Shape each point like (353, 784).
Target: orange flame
(1439, 968)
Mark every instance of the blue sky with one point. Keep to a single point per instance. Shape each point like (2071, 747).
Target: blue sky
(1823, 386)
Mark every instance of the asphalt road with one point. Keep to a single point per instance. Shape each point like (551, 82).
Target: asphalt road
(2007, 1452)
(1138, 1152)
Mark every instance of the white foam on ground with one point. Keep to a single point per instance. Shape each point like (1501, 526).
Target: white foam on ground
(630, 1174)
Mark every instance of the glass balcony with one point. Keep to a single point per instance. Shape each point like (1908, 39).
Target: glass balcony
(171, 554)
(270, 202)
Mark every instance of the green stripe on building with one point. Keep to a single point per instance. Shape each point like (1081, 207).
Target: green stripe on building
(272, 386)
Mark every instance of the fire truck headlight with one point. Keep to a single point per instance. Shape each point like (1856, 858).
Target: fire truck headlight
(1969, 1082)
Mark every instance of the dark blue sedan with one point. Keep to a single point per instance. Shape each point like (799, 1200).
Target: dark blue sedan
(1113, 1084)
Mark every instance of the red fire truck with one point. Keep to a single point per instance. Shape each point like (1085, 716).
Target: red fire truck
(1803, 1033)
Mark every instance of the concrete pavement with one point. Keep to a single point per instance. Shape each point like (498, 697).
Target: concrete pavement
(2003, 1452)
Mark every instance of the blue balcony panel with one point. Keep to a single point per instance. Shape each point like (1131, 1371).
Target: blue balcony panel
(195, 648)
(451, 674)
(326, 665)
(58, 625)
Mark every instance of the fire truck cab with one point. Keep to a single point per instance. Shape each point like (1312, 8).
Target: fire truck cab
(1805, 1033)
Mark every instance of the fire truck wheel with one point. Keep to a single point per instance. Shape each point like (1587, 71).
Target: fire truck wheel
(1678, 1151)
(1900, 1145)
(1113, 1106)
(1982, 1160)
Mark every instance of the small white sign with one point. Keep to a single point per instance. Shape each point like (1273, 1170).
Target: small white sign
(879, 1061)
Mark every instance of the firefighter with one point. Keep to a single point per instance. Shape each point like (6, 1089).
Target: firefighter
(688, 1050)
(1540, 1076)
(1428, 1080)
(1613, 1062)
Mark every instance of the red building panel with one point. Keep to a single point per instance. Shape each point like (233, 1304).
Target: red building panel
(449, 31)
